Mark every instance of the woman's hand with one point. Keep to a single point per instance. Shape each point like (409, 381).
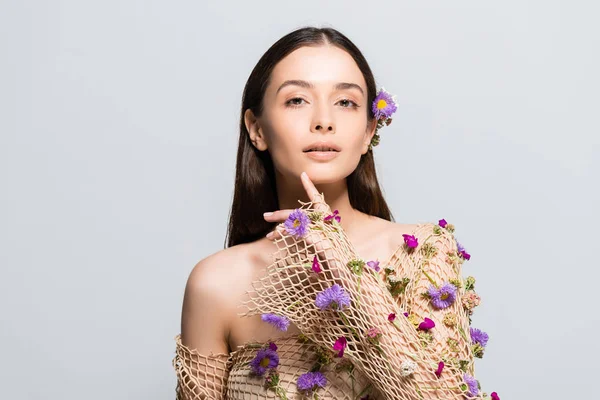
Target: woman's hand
(281, 215)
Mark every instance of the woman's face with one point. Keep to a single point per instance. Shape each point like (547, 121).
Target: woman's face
(316, 94)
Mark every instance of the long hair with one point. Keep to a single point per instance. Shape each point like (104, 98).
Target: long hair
(255, 191)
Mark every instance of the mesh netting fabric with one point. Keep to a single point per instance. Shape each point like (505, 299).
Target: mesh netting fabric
(290, 286)
(401, 364)
(229, 376)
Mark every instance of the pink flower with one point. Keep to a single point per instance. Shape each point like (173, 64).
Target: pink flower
(410, 240)
(471, 300)
(495, 396)
(373, 332)
(315, 265)
(440, 367)
(374, 265)
(332, 216)
(340, 345)
(442, 222)
(427, 324)
(391, 317)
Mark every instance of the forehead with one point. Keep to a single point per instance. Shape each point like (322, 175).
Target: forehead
(321, 65)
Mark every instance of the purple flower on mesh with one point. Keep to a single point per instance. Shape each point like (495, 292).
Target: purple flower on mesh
(265, 359)
(442, 297)
(426, 325)
(391, 317)
(340, 345)
(297, 223)
(472, 385)
(440, 368)
(374, 265)
(310, 381)
(462, 251)
(279, 322)
(333, 216)
(334, 297)
(384, 105)
(315, 265)
(410, 240)
(479, 337)
(442, 222)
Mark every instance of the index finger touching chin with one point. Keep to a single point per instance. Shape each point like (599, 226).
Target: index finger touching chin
(318, 199)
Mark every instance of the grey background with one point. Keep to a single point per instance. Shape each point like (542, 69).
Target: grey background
(118, 124)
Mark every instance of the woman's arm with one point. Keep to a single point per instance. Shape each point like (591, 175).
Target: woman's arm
(202, 360)
(395, 360)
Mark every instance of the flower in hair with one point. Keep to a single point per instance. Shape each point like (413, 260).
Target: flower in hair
(384, 105)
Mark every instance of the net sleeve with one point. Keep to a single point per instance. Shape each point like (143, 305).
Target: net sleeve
(319, 283)
(200, 376)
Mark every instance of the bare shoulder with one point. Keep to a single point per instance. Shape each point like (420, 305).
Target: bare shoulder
(213, 288)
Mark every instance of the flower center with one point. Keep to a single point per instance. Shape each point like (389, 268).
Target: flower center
(264, 362)
(381, 104)
(444, 296)
(296, 223)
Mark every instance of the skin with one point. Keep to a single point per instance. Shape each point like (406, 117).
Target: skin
(216, 285)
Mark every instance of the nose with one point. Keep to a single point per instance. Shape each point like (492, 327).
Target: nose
(321, 128)
(323, 121)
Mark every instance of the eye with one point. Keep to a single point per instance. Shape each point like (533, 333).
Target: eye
(350, 102)
(292, 102)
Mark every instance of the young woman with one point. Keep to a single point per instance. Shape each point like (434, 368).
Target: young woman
(298, 303)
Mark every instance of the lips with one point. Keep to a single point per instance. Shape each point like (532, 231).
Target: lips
(322, 146)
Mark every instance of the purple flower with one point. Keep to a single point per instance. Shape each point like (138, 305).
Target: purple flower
(495, 396)
(279, 322)
(332, 216)
(427, 324)
(472, 384)
(442, 297)
(479, 337)
(272, 346)
(406, 314)
(374, 265)
(310, 381)
(410, 240)
(391, 317)
(334, 297)
(265, 359)
(384, 105)
(340, 345)
(442, 222)
(315, 265)
(462, 251)
(440, 368)
(297, 223)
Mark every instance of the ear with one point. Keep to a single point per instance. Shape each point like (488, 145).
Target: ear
(254, 130)
(369, 133)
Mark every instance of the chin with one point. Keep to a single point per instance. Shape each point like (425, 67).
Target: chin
(325, 173)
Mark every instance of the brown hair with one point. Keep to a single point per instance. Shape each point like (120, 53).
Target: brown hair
(255, 191)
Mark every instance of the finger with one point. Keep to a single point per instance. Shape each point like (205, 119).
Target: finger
(278, 216)
(313, 194)
(277, 233)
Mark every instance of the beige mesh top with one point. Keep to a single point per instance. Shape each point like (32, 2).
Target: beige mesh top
(392, 349)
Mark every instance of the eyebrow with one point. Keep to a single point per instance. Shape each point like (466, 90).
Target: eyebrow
(308, 85)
